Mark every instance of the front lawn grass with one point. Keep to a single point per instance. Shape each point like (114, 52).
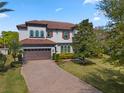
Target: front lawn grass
(101, 74)
(12, 81)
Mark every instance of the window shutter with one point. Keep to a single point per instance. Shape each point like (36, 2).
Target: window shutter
(51, 33)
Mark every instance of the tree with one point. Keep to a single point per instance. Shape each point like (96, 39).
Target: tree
(116, 46)
(85, 43)
(2, 4)
(102, 35)
(8, 36)
(14, 49)
(114, 10)
(11, 40)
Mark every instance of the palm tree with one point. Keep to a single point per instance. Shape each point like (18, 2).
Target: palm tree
(14, 49)
(2, 4)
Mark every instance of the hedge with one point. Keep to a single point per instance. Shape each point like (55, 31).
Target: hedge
(66, 56)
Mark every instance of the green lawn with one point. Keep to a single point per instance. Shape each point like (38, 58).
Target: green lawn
(12, 81)
(101, 75)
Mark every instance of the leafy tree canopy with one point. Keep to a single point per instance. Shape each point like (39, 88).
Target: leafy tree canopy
(114, 10)
(85, 43)
(8, 37)
(2, 4)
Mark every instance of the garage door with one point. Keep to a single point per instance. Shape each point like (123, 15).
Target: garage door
(37, 54)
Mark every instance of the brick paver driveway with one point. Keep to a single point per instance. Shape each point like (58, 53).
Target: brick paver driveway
(44, 76)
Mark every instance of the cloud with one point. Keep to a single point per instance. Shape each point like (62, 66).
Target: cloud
(96, 18)
(90, 1)
(59, 9)
(2, 15)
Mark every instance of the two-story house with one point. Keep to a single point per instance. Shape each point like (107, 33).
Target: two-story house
(40, 39)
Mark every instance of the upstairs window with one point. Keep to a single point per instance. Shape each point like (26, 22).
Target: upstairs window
(37, 33)
(31, 33)
(49, 34)
(41, 34)
(66, 35)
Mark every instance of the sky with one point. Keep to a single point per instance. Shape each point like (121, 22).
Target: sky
(73, 11)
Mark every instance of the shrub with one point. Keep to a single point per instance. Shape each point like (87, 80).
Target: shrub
(54, 55)
(20, 58)
(2, 61)
(57, 57)
(95, 55)
(66, 56)
(16, 64)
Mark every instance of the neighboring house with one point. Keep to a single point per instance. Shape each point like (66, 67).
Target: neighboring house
(3, 50)
(40, 39)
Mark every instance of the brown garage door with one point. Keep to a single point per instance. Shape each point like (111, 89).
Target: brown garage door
(37, 54)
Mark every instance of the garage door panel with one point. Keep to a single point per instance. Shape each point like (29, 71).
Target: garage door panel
(37, 55)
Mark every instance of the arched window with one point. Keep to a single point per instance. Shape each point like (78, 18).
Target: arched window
(42, 34)
(37, 33)
(65, 48)
(49, 34)
(62, 49)
(31, 33)
(68, 48)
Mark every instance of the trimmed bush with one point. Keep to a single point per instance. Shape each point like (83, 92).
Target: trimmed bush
(54, 56)
(15, 64)
(20, 58)
(66, 56)
(57, 57)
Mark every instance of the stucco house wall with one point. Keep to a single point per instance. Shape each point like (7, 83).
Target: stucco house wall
(23, 34)
(57, 34)
(57, 37)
